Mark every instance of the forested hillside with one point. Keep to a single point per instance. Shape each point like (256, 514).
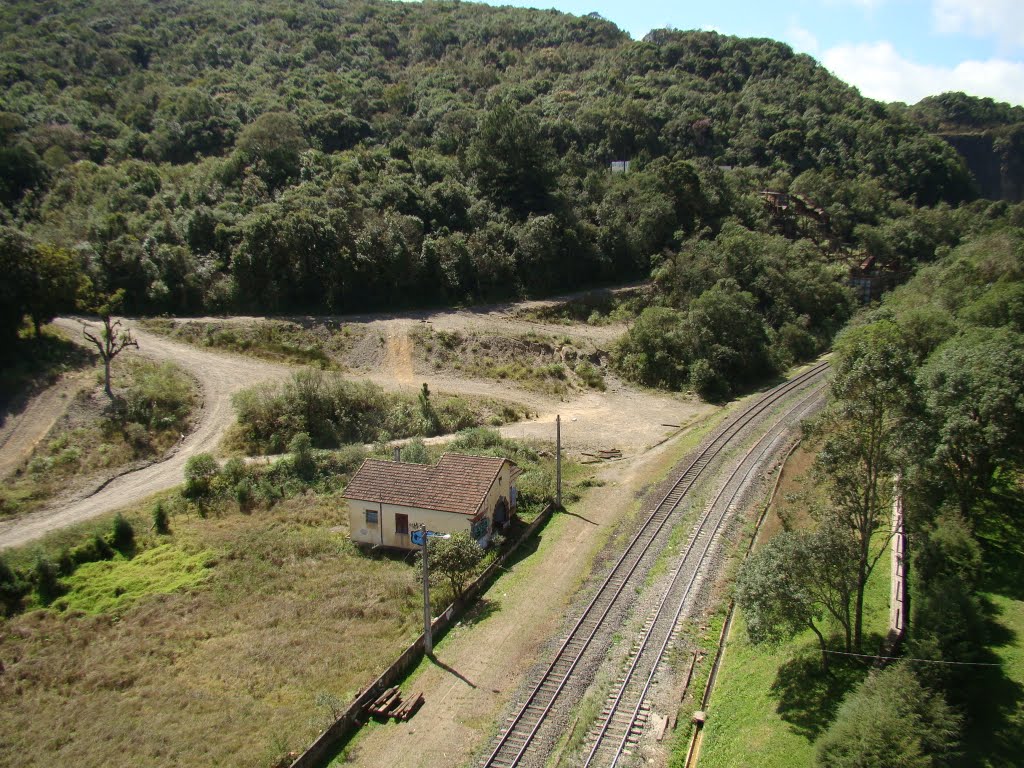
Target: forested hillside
(342, 155)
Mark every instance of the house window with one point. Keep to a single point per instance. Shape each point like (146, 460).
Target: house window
(402, 524)
(371, 517)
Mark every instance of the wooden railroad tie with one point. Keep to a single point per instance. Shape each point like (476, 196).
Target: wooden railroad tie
(389, 704)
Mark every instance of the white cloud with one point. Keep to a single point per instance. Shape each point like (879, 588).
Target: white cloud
(1002, 20)
(880, 72)
(801, 39)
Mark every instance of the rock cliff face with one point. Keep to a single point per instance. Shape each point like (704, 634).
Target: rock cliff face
(995, 159)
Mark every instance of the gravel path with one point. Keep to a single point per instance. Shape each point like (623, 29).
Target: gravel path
(219, 377)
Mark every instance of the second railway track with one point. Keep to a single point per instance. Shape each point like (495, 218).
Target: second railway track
(517, 738)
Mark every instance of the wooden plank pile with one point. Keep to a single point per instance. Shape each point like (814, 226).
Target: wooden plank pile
(606, 454)
(389, 704)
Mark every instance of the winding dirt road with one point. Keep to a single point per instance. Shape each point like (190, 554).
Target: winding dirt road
(219, 376)
(623, 417)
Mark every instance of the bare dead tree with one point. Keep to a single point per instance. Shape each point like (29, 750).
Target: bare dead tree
(111, 340)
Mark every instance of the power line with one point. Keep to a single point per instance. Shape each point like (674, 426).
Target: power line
(923, 661)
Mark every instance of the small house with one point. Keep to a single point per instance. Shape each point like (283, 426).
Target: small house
(387, 500)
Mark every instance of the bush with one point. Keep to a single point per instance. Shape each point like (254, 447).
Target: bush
(301, 449)
(47, 580)
(122, 534)
(590, 375)
(200, 472)
(161, 520)
(891, 719)
(12, 589)
(336, 412)
(101, 547)
(159, 397)
(415, 452)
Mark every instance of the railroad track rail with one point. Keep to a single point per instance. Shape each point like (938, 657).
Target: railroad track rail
(627, 712)
(522, 728)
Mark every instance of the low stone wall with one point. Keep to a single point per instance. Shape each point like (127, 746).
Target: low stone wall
(325, 744)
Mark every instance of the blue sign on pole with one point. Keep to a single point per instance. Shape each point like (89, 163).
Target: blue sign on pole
(417, 537)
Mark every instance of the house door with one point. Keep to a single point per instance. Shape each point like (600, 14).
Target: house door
(501, 513)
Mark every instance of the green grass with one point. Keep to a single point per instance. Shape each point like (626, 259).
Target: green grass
(112, 585)
(771, 703)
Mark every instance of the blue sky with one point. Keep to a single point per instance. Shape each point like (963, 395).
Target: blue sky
(893, 50)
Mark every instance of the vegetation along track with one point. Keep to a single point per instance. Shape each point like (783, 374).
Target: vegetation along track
(628, 572)
(621, 722)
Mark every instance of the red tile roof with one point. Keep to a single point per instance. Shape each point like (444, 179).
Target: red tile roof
(456, 483)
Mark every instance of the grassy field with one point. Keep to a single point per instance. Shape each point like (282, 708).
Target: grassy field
(771, 703)
(232, 640)
(229, 642)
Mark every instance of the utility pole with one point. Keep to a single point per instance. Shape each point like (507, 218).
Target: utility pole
(428, 640)
(558, 461)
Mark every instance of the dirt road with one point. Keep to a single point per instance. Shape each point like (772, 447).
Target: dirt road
(219, 377)
(623, 417)
(22, 431)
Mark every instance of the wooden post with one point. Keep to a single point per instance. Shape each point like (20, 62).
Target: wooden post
(558, 461)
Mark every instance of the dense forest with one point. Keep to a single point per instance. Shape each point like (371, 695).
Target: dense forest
(339, 156)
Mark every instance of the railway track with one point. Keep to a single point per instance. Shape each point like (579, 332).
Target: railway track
(518, 735)
(625, 715)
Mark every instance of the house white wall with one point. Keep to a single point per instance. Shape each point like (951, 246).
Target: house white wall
(384, 533)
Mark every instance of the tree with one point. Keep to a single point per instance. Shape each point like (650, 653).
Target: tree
(891, 721)
(15, 266)
(796, 582)
(200, 472)
(866, 427)
(111, 340)
(973, 387)
(431, 423)
(55, 282)
(272, 144)
(455, 558)
(514, 163)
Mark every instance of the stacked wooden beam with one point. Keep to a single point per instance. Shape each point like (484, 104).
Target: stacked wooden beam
(389, 704)
(605, 454)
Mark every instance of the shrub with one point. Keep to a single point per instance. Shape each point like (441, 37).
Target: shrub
(122, 534)
(301, 449)
(200, 472)
(47, 580)
(101, 547)
(590, 375)
(161, 520)
(890, 719)
(415, 452)
(159, 397)
(12, 589)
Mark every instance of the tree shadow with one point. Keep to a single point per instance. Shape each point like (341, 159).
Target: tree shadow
(808, 697)
(481, 609)
(1002, 539)
(994, 733)
(31, 365)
